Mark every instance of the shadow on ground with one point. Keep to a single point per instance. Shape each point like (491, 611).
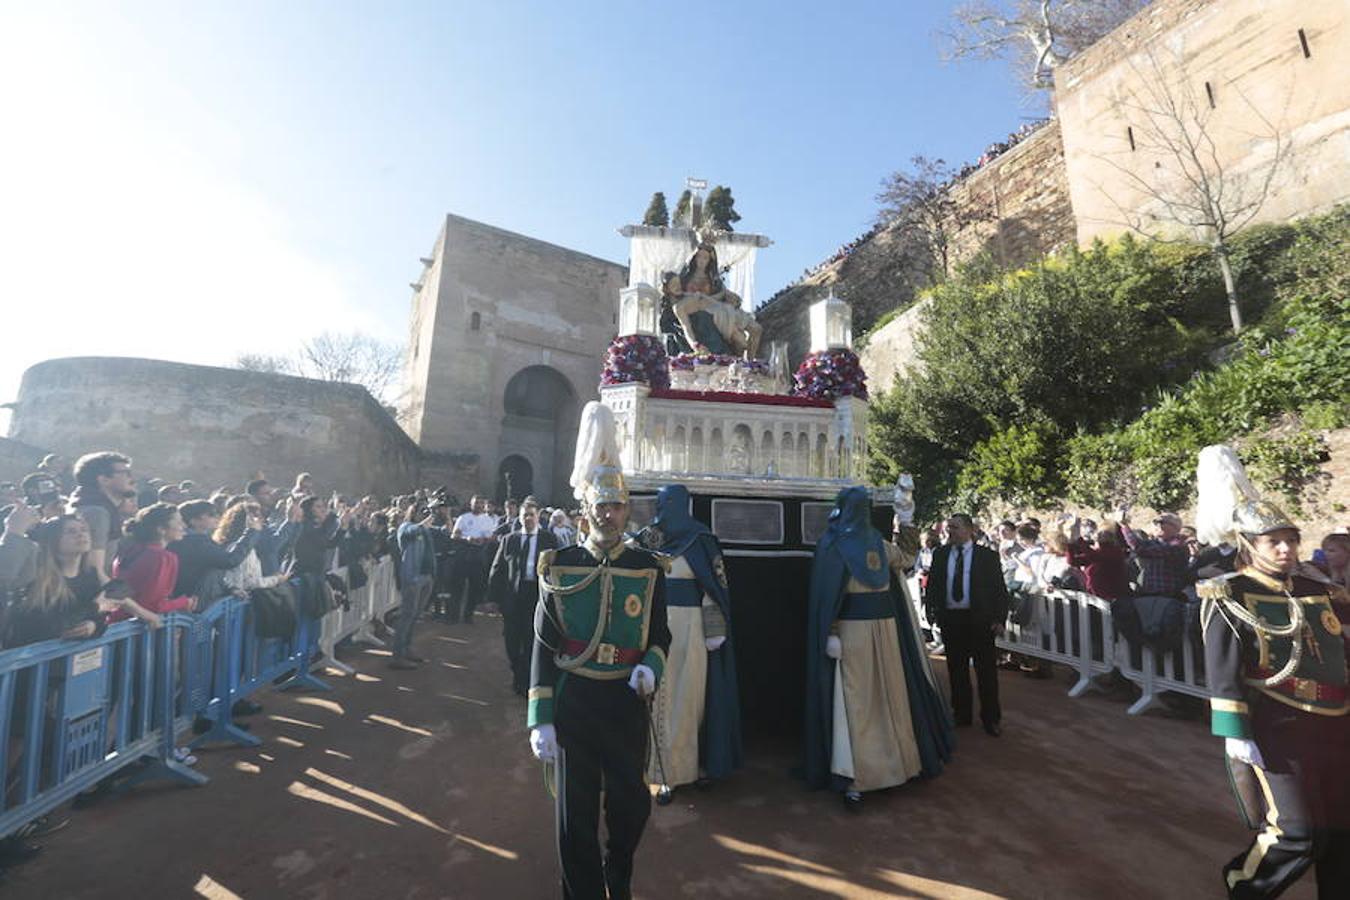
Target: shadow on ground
(420, 785)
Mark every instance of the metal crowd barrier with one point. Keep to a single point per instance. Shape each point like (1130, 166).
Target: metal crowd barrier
(365, 605)
(1076, 630)
(73, 713)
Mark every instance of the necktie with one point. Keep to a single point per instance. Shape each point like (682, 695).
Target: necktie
(958, 578)
(529, 556)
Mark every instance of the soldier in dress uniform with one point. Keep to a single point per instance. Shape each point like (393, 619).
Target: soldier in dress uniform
(1275, 657)
(600, 646)
(697, 712)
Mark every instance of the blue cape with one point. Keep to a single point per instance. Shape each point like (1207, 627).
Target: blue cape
(677, 533)
(843, 552)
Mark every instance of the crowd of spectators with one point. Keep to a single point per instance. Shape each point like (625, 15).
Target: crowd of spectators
(1148, 574)
(86, 546)
(991, 153)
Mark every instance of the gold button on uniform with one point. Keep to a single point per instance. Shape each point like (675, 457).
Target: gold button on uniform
(633, 605)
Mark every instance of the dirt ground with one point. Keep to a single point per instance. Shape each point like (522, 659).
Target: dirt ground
(420, 785)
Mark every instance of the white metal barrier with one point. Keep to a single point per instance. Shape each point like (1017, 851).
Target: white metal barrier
(365, 604)
(1064, 630)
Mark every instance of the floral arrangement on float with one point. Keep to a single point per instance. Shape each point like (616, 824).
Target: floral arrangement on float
(831, 374)
(636, 357)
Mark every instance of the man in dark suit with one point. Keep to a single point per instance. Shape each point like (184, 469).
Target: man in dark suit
(514, 584)
(968, 599)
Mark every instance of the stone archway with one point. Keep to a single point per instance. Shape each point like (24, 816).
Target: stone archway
(539, 428)
(515, 478)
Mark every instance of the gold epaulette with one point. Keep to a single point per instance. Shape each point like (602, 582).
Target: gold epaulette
(665, 560)
(1217, 588)
(545, 561)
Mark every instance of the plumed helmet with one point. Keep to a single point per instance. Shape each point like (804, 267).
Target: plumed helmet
(597, 470)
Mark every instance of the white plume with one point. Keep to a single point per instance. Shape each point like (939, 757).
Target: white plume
(1221, 485)
(597, 443)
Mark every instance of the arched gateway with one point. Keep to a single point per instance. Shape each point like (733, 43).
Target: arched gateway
(538, 435)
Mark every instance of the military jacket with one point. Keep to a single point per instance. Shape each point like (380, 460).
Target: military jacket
(1239, 657)
(599, 615)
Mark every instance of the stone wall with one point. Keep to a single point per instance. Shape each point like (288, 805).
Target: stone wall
(1018, 206)
(18, 459)
(1231, 64)
(216, 426)
(493, 304)
(890, 349)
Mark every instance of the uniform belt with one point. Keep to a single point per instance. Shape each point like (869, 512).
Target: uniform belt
(605, 654)
(1306, 689)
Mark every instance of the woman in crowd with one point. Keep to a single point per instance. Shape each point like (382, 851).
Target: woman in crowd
(63, 602)
(1102, 561)
(1055, 569)
(1336, 549)
(148, 569)
(248, 575)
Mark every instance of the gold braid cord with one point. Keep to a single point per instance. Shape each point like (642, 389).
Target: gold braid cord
(1222, 601)
(549, 586)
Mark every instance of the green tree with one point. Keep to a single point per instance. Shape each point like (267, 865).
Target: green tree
(656, 213)
(1009, 362)
(720, 209)
(683, 208)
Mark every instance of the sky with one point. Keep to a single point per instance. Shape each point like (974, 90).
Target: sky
(196, 181)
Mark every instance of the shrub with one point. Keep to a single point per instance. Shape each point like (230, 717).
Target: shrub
(1018, 466)
(1285, 463)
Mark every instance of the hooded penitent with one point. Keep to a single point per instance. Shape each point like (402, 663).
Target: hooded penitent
(675, 532)
(851, 550)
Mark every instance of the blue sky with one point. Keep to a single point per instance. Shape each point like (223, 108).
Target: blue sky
(193, 181)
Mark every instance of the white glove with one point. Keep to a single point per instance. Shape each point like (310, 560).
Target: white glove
(544, 743)
(643, 681)
(833, 648)
(1244, 750)
(714, 643)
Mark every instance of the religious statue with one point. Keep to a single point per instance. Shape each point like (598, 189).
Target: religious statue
(709, 316)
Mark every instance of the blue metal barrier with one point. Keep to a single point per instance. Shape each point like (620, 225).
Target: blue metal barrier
(74, 713)
(86, 711)
(243, 663)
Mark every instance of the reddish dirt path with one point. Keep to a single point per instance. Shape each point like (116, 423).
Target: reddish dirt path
(420, 785)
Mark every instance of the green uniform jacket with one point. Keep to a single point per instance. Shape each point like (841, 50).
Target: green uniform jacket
(595, 624)
(1236, 654)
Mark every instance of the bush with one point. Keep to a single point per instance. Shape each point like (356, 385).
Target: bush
(1096, 470)
(1018, 466)
(1285, 463)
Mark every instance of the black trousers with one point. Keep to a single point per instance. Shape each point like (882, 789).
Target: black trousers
(1307, 790)
(468, 582)
(518, 631)
(969, 640)
(602, 741)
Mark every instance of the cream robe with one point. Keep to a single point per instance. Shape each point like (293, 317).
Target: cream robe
(873, 734)
(677, 711)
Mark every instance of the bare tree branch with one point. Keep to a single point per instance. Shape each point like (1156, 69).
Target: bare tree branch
(354, 358)
(1035, 36)
(1195, 188)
